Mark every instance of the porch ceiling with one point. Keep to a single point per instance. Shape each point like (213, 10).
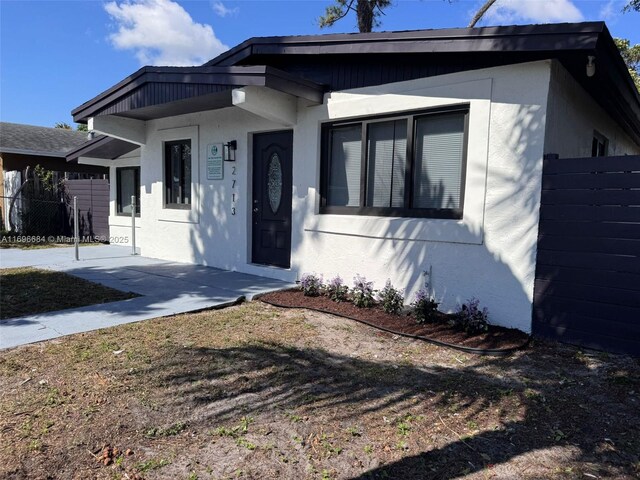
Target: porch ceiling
(156, 92)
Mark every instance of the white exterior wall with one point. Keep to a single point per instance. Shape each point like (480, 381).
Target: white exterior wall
(207, 234)
(572, 116)
(489, 254)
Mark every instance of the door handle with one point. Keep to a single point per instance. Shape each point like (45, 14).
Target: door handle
(255, 210)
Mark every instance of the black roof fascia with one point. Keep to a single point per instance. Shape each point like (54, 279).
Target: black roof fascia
(613, 88)
(103, 147)
(564, 36)
(232, 76)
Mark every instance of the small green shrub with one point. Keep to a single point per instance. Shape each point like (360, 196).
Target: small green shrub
(362, 292)
(311, 284)
(336, 290)
(391, 298)
(425, 308)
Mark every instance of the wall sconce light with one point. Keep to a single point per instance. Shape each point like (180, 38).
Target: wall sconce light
(229, 151)
(591, 66)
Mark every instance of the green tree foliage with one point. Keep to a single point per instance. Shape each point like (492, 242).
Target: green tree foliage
(65, 126)
(631, 55)
(367, 13)
(632, 5)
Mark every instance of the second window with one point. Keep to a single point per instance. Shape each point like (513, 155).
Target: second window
(408, 166)
(177, 171)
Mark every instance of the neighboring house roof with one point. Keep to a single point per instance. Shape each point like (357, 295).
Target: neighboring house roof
(41, 141)
(344, 61)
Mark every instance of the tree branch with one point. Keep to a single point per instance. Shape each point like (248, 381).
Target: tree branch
(480, 13)
(331, 16)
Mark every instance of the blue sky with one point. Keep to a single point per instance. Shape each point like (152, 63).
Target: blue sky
(55, 55)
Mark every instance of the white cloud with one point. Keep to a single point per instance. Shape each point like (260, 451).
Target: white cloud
(161, 32)
(539, 11)
(222, 10)
(611, 9)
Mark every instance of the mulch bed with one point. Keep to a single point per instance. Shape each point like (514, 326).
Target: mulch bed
(495, 339)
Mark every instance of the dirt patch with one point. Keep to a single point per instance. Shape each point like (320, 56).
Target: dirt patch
(259, 392)
(28, 291)
(496, 338)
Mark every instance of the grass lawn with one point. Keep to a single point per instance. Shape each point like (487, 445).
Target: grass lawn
(27, 291)
(258, 392)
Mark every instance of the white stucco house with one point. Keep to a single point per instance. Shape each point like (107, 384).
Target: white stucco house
(385, 154)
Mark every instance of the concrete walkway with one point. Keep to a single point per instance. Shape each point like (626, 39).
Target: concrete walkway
(167, 288)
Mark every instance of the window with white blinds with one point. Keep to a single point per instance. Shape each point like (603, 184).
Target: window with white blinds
(406, 166)
(345, 166)
(438, 162)
(386, 163)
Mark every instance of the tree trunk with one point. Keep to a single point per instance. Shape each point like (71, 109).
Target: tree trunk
(364, 12)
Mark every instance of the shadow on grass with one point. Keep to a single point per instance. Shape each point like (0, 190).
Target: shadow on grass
(29, 291)
(565, 403)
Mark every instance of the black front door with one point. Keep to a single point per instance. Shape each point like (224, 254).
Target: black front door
(272, 159)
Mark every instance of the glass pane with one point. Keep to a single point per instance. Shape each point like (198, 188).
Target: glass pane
(176, 174)
(127, 188)
(344, 166)
(186, 179)
(438, 162)
(274, 182)
(387, 154)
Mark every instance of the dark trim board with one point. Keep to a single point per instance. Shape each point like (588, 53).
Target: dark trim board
(587, 287)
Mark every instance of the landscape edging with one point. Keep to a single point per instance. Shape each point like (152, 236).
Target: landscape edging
(495, 352)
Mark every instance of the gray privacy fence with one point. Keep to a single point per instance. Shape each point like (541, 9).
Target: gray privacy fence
(587, 287)
(33, 212)
(93, 206)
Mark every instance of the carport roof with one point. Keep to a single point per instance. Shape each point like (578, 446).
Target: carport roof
(103, 147)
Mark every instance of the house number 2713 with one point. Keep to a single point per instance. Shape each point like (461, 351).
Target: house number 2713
(233, 190)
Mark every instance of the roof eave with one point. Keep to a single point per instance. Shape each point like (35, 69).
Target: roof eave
(434, 41)
(259, 75)
(35, 153)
